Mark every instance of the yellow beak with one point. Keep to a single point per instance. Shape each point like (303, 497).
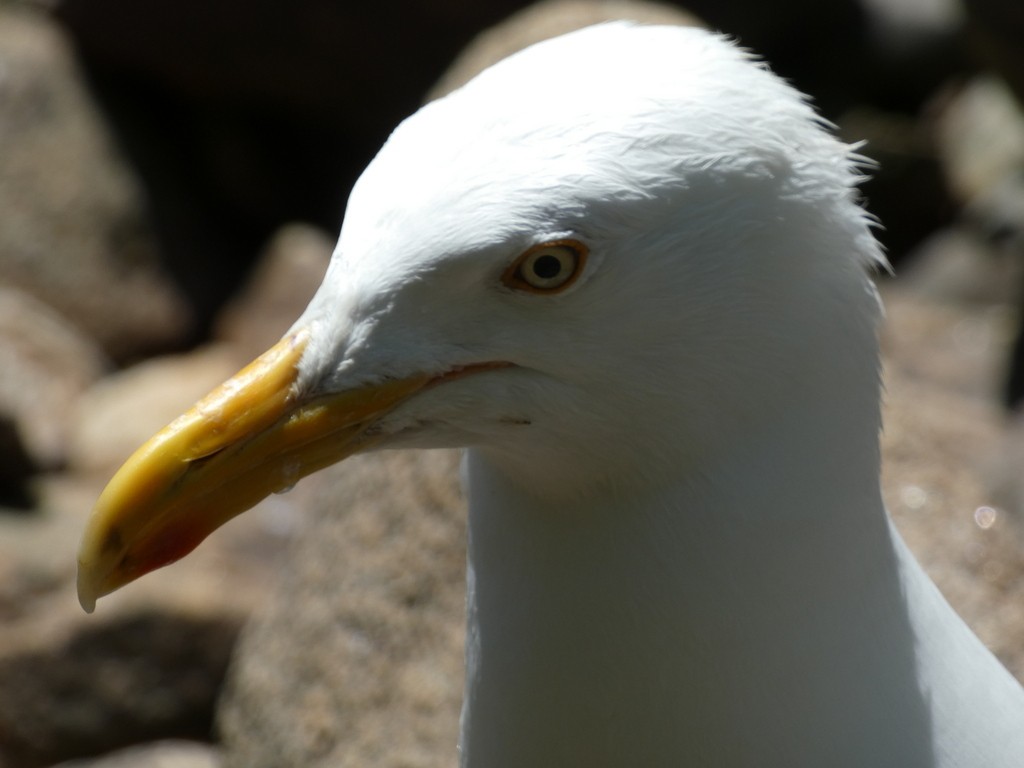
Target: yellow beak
(250, 437)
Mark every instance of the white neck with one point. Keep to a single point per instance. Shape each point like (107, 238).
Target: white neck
(771, 617)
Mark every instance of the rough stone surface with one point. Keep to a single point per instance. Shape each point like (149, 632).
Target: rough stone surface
(149, 663)
(980, 134)
(164, 754)
(357, 658)
(107, 692)
(74, 233)
(942, 435)
(45, 363)
(958, 265)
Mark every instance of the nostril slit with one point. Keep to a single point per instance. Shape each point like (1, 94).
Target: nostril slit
(200, 461)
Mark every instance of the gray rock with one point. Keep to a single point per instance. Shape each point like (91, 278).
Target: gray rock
(45, 364)
(900, 24)
(997, 214)
(74, 232)
(150, 662)
(356, 659)
(981, 137)
(164, 754)
(138, 678)
(957, 265)
(941, 438)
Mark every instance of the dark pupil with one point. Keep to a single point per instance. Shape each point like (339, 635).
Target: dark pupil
(546, 267)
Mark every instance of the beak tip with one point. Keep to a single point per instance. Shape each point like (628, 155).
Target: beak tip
(95, 572)
(95, 565)
(86, 593)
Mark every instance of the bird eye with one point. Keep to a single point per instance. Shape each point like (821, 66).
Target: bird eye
(548, 267)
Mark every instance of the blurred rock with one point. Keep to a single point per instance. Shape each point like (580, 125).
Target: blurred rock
(287, 275)
(68, 678)
(357, 657)
(37, 564)
(905, 18)
(1004, 475)
(956, 265)
(149, 664)
(544, 20)
(980, 132)
(954, 346)
(74, 235)
(164, 754)
(45, 363)
(139, 678)
(997, 214)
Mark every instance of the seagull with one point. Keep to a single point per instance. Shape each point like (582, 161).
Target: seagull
(626, 269)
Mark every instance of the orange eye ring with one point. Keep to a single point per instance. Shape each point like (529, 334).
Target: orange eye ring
(547, 268)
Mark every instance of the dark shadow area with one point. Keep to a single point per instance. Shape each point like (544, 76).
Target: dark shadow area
(139, 678)
(240, 117)
(16, 468)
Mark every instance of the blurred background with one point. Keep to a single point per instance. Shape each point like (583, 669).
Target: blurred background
(172, 177)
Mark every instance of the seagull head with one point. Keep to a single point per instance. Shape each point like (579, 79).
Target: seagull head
(596, 264)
